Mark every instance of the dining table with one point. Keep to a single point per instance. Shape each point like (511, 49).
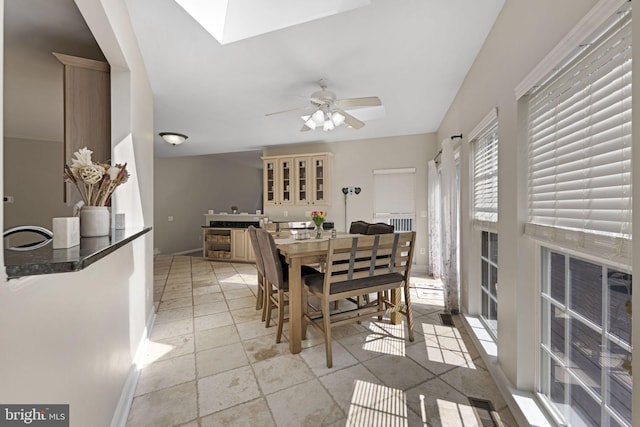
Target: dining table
(306, 252)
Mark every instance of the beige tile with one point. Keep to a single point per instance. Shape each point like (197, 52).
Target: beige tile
(372, 401)
(265, 347)
(341, 384)
(174, 314)
(238, 293)
(172, 329)
(226, 389)
(253, 329)
(207, 290)
(278, 373)
(151, 410)
(249, 301)
(369, 345)
(441, 404)
(397, 372)
(175, 303)
(210, 308)
(216, 337)
(247, 314)
(175, 294)
(220, 359)
(251, 414)
(167, 348)
(475, 383)
(213, 321)
(208, 298)
(166, 373)
(307, 404)
(317, 360)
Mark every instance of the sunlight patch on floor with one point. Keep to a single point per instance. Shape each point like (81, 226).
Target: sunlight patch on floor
(445, 345)
(386, 339)
(377, 405)
(455, 414)
(155, 351)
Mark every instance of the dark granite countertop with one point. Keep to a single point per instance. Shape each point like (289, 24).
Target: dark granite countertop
(46, 260)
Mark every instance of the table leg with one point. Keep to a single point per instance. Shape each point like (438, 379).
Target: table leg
(295, 306)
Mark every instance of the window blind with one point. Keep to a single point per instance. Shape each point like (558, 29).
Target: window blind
(579, 157)
(485, 175)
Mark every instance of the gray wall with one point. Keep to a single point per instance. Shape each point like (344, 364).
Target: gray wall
(33, 176)
(187, 187)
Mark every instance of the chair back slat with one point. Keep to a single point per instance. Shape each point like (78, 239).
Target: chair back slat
(369, 256)
(253, 237)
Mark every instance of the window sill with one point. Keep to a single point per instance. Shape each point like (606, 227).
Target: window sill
(523, 404)
(46, 260)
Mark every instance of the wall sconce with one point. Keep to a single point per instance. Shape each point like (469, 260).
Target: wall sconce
(173, 138)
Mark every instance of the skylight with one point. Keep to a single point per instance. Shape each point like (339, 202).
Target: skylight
(232, 20)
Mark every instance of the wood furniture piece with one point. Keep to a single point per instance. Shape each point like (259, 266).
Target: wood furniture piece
(307, 252)
(87, 111)
(357, 267)
(301, 180)
(252, 232)
(231, 244)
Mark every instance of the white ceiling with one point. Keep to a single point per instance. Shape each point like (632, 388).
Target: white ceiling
(413, 54)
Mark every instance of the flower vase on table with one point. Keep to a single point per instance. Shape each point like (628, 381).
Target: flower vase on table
(318, 218)
(96, 183)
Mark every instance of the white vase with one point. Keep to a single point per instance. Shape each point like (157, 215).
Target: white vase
(94, 221)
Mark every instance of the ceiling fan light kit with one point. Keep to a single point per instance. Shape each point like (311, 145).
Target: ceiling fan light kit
(330, 112)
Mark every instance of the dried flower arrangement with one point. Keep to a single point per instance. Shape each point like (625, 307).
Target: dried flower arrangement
(95, 182)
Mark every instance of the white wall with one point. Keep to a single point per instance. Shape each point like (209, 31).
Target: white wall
(523, 35)
(71, 338)
(353, 165)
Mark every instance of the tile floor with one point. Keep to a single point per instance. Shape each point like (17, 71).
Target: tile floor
(211, 362)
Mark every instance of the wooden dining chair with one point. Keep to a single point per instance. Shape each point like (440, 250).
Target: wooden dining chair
(276, 274)
(360, 266)
(262, 283)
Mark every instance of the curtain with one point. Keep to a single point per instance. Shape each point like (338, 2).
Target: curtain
(449, 234)
(433, 195)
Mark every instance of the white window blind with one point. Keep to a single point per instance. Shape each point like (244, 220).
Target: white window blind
(485, 175)
(579, 155)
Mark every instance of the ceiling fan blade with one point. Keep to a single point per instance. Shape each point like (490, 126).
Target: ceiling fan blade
(287, 111)
(351, 121)
(370, 101)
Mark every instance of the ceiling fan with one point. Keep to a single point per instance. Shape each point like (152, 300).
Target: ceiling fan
(328, 112)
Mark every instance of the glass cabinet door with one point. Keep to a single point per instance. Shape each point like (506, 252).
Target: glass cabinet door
(302, 180)
(270, 182)
(319, 179)
(286, 180)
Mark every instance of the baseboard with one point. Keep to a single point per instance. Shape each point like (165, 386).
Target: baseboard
(121, 413)
(188, 252)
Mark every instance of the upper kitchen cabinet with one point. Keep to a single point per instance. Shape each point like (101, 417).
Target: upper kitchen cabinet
(278, 181)
(303, 180)
(313, 180)
(87, 110)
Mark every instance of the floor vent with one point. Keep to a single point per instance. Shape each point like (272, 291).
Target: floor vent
(486, 413)
(446, 319)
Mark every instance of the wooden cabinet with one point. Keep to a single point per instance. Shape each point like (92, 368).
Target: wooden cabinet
(239, 245)
(302, 180)
(230, 244)
(87, 111)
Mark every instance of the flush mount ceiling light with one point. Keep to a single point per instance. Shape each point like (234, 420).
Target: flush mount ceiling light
(173, 138)
(324, 119)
